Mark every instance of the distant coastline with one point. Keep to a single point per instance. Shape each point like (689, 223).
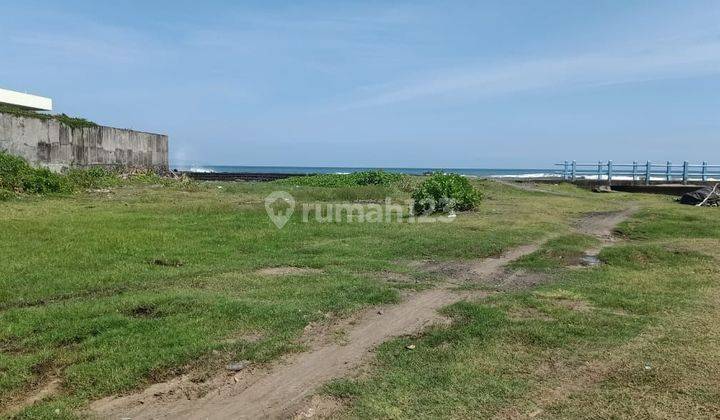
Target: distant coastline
(479, 172)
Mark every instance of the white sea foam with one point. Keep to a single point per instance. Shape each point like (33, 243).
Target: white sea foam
(532, 175)
(201, 170)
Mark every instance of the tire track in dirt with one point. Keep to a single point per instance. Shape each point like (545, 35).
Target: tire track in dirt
(280, 390)
(277, 392)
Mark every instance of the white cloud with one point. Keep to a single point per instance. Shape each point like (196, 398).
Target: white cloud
(665, 61)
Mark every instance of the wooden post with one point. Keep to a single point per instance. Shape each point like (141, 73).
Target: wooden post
(599, 171)
(704, 171)
(648, 170)
(574, 169)
(685, 172)
(668, 171)
(635, 170)
(610, 171)
(565, 171)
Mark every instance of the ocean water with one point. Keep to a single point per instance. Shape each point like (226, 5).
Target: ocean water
(478, 172)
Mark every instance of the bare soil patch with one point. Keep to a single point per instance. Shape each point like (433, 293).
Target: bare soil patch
(518, 280)
(320, 407)
(486, 270)
(49, 388)
(602, 224)
(395, 277)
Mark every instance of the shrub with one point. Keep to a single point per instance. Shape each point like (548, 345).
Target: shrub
(43, 181)
(6, 195)
(408, 184)
(17, 176)
(13, 170)
(445, 192)
(375, 178)
(381, 178)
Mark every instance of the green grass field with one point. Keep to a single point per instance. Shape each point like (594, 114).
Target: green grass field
(110, 292)
(636, 337)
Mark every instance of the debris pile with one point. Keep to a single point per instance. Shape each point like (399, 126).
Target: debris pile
(706, 196)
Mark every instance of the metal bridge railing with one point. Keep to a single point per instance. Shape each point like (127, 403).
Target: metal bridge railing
(637, 171)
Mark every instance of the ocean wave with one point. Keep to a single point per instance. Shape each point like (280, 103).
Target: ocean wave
(201, 170)
(531, 175)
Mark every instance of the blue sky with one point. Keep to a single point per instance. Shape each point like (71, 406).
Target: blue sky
(416, 83)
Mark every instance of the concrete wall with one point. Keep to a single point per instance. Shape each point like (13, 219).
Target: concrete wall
(58, 146)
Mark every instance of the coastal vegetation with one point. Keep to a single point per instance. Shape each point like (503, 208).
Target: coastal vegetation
(73, 122)
(445, 192)
(374, 177)
(16, 176)
(106, 291)
(18, 179)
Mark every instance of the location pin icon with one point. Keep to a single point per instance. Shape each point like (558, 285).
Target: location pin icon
(279, 217)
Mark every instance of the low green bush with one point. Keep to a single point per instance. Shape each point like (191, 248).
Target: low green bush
(17, 176)
(445, 192)
(6, 195)
(375, 178)
(381, 178)
(43, 181)
(12, 172)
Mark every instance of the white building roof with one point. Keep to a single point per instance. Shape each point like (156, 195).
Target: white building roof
(25, 100)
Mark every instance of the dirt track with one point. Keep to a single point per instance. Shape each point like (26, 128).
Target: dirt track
(281, 390)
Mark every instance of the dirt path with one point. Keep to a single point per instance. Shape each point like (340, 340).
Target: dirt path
(602, 224)
(280, 390)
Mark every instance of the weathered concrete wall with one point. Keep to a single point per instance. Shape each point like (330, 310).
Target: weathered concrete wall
(58, 146)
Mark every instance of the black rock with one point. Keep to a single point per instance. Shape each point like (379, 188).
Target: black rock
(698, 196)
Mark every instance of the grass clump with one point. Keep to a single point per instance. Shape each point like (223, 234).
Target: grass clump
(445, 192)
(362, 178)
(92, 178)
